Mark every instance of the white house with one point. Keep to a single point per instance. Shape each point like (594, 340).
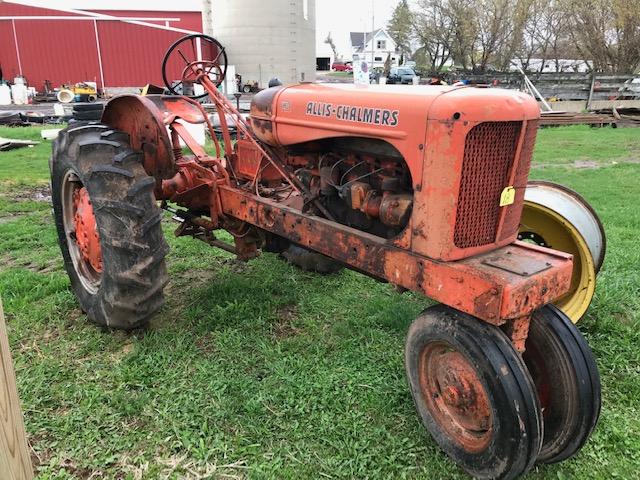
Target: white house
(376, 46)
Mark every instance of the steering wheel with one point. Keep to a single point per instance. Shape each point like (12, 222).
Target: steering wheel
(193, 56)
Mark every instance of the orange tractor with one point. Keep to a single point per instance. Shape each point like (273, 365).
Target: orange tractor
(421, 187)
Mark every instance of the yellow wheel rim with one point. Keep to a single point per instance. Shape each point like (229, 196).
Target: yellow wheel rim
(544, 226)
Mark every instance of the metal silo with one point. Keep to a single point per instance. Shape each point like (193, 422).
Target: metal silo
(266, 39)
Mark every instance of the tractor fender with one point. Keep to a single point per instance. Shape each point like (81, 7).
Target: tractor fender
(145, 119)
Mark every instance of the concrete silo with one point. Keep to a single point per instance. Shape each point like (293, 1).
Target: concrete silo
(266, 39)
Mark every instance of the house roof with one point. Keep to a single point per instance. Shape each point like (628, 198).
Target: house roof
(358, 37)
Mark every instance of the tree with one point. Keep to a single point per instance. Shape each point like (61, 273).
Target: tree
(607, 32)
(387, 66)
(329, 41)
(434, 30)
(490, 34)
(477, 36)
(400, 27)
(497, 29)
(547, 34)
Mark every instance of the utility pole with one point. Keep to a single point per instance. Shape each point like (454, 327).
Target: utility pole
(207, 18)
(372, 34)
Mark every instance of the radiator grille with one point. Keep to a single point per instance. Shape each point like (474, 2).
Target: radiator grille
(514, 212)
(489, 152)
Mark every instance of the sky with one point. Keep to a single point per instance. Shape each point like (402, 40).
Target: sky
(336, 16)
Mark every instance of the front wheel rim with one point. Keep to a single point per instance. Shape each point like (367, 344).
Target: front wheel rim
(455, 396)
(81, 232)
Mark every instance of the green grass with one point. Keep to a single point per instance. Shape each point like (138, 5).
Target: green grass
(570, 144)
(264, 371)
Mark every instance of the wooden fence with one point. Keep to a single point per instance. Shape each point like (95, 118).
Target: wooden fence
(593, 90)
(15, 461)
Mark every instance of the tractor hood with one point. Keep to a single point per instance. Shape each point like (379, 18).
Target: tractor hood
(283, 116)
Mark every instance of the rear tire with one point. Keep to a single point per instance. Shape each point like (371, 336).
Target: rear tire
(126, 289)
(88, 107)
(473, 393)
(90, 115)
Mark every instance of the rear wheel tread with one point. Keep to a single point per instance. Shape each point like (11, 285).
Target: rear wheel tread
(145, 186)
(110, 169)
(134, 275)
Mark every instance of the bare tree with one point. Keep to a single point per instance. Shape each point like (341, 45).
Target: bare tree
(498, 26)
(329, 41)
(529, 45)
(607, 32)
(478, 36)
(489, 34)
(433, 30)
(545, 34)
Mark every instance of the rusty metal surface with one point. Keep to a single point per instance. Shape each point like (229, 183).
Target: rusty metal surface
(510, 217)
(443, 194)
(489, 153)
(517, 330)
(141, 118)
(395, 209)
(455, 396)
(469, 285)
(433, 146)
(261, 115)
(249, 163)
(145, 119)
(86, 230)
(510, 263)
(178, 107)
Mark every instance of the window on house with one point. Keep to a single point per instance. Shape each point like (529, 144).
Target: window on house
(381, 44)
(377, 59)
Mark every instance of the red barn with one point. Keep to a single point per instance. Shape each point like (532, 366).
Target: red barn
(112, 48)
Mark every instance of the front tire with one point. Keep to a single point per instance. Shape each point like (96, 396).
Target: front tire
(567, 380)
(473, 393)
(108, 225)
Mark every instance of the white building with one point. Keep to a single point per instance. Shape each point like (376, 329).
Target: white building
(550, 66)
(376, 46)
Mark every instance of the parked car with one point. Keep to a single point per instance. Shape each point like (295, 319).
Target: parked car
(401, 75)
(342, 66)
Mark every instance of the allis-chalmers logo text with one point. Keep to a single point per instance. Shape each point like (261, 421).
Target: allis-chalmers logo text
(349, 113)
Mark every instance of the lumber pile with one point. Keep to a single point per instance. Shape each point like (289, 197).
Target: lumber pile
(571, 118)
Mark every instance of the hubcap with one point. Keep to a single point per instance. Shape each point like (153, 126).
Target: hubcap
(455, 396)
(86, 232)
(83, 240)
